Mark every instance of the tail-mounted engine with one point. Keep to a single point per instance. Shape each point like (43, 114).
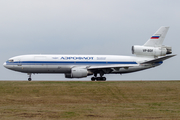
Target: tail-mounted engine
(151, 51)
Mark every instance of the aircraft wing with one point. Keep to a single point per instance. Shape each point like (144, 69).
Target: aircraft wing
(158, 59)
(112, 66)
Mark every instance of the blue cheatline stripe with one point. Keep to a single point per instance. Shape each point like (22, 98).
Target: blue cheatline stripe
(66, 62)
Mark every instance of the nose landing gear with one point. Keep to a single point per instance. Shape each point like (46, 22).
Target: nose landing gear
(29, 79)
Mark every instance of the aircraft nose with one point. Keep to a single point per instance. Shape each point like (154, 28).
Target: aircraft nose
(5, 65)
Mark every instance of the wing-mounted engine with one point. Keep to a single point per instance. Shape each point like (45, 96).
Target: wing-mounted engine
(78, 73)
(151, 51)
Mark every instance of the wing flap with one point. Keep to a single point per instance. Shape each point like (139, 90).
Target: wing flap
(112, 66)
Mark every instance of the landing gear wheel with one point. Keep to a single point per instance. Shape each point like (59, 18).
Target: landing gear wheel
(29, 79)
(93, 79)
(98, 79)
(101, 78)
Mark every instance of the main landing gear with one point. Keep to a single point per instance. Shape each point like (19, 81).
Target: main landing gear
(98, 78)
(29, 79)
(101, 78)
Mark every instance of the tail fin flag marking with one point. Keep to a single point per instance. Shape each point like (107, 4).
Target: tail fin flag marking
(158, 37)
(155, 37)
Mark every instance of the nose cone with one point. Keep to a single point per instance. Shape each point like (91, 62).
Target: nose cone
(5, 65)
(8, 65)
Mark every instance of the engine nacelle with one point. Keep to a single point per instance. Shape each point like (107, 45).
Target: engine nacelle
(151, 51)
(78, 73)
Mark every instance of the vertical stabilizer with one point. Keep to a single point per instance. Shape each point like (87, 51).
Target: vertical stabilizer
(158, 37)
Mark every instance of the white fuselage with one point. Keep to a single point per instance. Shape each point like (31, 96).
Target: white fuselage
(64, 63)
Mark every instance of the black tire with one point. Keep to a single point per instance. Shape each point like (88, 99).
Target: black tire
(93, 79)
(98, 78)
(29, 79)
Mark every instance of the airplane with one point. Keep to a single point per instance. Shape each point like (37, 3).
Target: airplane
(149, 55)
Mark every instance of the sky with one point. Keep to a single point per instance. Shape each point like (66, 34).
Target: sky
(95, 27)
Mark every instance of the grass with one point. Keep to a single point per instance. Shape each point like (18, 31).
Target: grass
(90, 100)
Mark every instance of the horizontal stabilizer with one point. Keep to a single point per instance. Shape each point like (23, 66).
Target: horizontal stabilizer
(158, 59)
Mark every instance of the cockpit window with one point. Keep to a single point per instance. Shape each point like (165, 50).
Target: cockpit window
(11, 60)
